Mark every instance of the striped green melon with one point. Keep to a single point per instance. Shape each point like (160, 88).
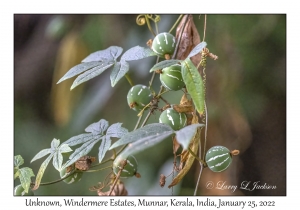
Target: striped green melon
(19, 191)
(130, 168)
(218, 158)
(164, 43)
(173, 118)
(76, 177)
(171, 77)
(138, 97)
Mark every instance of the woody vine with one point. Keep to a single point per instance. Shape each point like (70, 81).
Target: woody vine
(180, 66)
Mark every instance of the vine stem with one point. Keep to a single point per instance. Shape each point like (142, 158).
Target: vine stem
(199, 177)
(205, 134)
(117, 177)
(149, 25)
(103, 162)
(146, 119)
(204, 27)
(56, 181)
(153, 75)
(177, 21)
(100, 169)
(129, 79)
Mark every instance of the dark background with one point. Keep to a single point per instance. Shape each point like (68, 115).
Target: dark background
(246, 96)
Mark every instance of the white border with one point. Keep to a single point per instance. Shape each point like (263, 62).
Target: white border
(9, 8)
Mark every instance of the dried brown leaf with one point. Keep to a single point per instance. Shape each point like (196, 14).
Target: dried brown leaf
(183, 108)
(189, 39)
(186, 156)
(189, 161)
(176, 145)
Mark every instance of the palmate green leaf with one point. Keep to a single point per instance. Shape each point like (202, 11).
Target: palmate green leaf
(115, 130)
(41, 171)
(104, 146)
(185, 135)
(18, 161)
(109, 54)
(90, 74)
(98, 127)
(83, 150)
(144, 143)
(137, 53)
(119, 70)
(25, 175)
(164, 64)
(78, 69)
(41, 154)
(79, 139)
(153, 132)
(58, 158)
(198, 48)
(55, 153)
(194, 84)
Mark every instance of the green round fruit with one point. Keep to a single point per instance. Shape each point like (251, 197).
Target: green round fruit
(76, 177)
(171, 77)
(218, 158)
(130, 168)
(164, 43)
(173, 118)
(138, 97)
(19, 191)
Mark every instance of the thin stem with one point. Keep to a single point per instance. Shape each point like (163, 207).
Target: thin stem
(100, 169)
(204, 27)
(205, 134)
(149, 25)
(117, 177)
(146, 119)
(138, 122)
(153, 74)
(129, 79)
(195, 156)
(103, 162)
(56, 181)
(199, 177)
(177, 21)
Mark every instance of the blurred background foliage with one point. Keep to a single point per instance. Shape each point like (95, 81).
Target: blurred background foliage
(246, 96)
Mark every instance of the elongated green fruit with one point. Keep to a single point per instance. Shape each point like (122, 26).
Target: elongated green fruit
(218, 158)
(194, 84)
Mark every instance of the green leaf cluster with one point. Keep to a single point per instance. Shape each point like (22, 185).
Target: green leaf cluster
(97, 62)
(24, 174)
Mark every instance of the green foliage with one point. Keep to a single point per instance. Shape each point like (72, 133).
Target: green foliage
(56, 153)
(164, 64)
(88, 140)
(20, 191)
(186, 134)
(24, 174)
(194, 84)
